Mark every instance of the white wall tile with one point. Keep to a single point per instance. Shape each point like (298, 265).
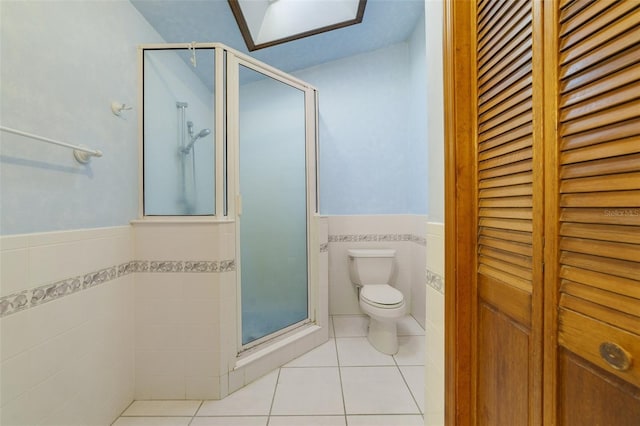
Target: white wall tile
(16, 336)
(14, 242)
(14, 271)
(151, 363)
(78, 348)
(202, 387)
(435, 248)
(202, 363)
(181, 241)
(16, 377)
(166, 386)
(435, 308)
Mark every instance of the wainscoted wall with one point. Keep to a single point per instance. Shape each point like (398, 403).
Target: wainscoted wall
(91, 319)
(180, 306)
(404, 233)
(66, 319)
(434, 326)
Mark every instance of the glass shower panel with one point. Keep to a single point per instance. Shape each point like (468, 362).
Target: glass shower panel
(273, 222)
(179, 176)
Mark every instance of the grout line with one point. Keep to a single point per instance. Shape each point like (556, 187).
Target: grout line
(196, 412)
(415, 401)
(344, 404)
(273, 398)
(126, 408)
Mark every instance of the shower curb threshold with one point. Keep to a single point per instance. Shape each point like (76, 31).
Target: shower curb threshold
(244, 361)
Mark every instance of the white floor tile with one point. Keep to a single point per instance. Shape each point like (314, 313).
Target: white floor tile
(386, 420)
(230, 421)
(331, 334)
(307, 421)
(408, 326)
(252, 400)
(152, 421)
(162, 408)
(322, 356)
(414, 376)
(350, 325)
(411, 350)
(376, 390)
(308, 391)
(357, 351)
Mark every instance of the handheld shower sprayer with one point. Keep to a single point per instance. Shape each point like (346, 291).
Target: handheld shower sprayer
(194, 138)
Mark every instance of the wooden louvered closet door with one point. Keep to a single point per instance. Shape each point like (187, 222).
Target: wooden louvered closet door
(507, 365)
(599, 212)
(544, 212)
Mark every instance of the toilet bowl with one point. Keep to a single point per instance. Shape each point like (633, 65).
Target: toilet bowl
(370, 271)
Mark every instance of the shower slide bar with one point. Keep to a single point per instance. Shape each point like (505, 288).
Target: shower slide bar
(81, 154)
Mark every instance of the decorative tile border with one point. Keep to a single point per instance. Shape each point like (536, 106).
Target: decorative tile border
(324, 248)
(359, 238)
(435, 281)
(30, 298)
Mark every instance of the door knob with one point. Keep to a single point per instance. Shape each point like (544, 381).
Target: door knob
(615, 356)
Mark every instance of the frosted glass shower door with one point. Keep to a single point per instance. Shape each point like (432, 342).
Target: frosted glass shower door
(273, 221)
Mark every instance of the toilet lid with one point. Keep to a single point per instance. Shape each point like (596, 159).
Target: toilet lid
(382, 294)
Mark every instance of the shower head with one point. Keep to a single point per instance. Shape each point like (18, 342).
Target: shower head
(194, 138)
(203, 133)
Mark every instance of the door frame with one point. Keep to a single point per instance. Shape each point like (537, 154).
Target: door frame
(460, 212)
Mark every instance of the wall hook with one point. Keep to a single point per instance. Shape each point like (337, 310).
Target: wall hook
(117, 108)
(192, 49)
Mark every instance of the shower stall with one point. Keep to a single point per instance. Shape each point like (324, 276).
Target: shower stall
(230, 143)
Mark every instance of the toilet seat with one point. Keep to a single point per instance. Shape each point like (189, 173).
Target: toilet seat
(382, 296)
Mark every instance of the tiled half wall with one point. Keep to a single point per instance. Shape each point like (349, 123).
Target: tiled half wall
(67, 326)
(91, 319)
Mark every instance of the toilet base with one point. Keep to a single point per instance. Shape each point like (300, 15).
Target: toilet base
(383, 336)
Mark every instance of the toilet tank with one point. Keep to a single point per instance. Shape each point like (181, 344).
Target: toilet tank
(370, 266)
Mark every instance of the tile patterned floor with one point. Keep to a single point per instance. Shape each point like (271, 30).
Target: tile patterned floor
(344, 382)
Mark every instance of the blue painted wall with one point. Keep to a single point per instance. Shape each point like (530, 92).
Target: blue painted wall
(373, 145)
(63, 63)
(364, 132)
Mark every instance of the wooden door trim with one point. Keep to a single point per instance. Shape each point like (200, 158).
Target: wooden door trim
(460, 212)
(551, 213)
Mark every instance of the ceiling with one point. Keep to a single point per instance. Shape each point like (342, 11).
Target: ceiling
(385, 22)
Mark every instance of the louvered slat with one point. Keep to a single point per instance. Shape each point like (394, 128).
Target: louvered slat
(591, 21)
(598, 216)
(501, 234)
(500, 52)
(621, 234)
(623, 199)
(600, 161)
(603, 249)
(620, 44)
(625, 304)
(619, 62)
(599, 39)
(507, 169)
(624, 77)
(627, 148)
(601, 280)
(615, 267)
(604, 166)
(569, 8)
(505, 202)
(617, 182)
(591, 9)
(519, 133)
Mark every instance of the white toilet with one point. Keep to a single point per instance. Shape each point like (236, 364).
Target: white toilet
(370, 270)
